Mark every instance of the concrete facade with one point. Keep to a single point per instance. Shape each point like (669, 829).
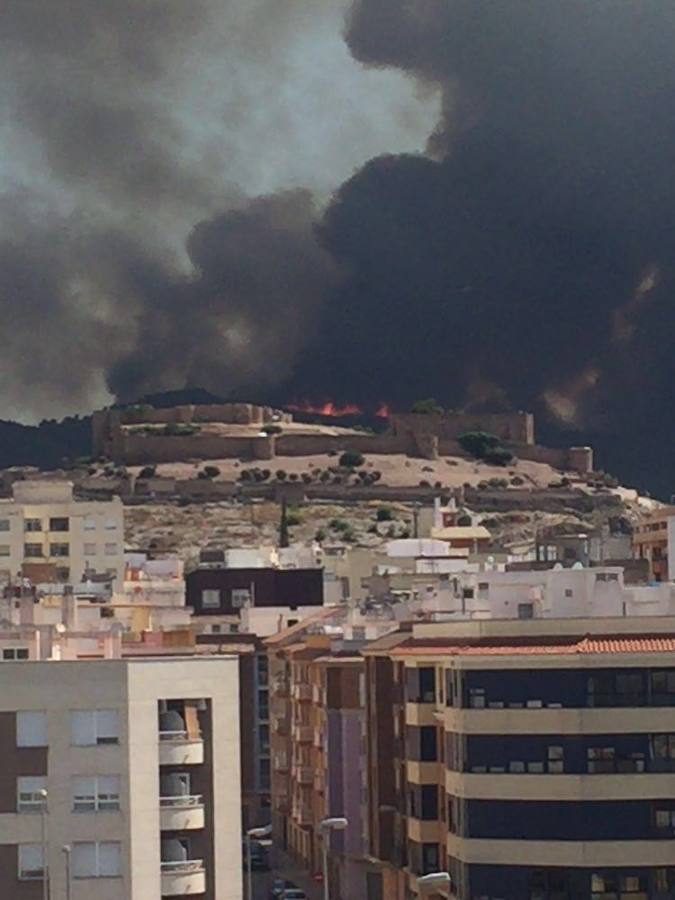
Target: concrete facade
(135, 723)
(45, 531)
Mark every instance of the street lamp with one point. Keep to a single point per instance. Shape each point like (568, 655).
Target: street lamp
(338, 823)
(66, 849)
(251, 833)
(45, 850)
(435, 881)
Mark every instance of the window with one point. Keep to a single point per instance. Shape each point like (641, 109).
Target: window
(663, 747)
(600, 760)
(664, 819)
(31, 729)
(59, 549)
(31, 862)
(427, 681)
(263, 705)
(90, 524)
(5, 525)
(5, 550)
(428, 802)
(61, 523)
(29, 796)
(556, 760)
(15, 653)
(477, 698)
(569, 592)
(110, 525)
(110, 549)
(96, 793)
(96, 860)
(90, 549)
(63, 574)
(263, 670)
(211, 598)
(32, 551)
(525, 611)
(664, 880)
(428, 750)
(33, 525)
(240, 597)
(264, 774)
(663, 687)
(94, 726)
(429, 858)
(264, 738)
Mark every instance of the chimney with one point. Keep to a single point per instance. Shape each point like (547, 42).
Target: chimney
(26, 606)
(69, 608)
(112, 642)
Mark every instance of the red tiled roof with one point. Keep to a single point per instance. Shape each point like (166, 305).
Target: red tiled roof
(557, 647)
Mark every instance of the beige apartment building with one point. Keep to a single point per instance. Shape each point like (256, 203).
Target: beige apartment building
(48, 535)
(121, 779)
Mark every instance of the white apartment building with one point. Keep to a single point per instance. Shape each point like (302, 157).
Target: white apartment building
(56, 537)
(121, 779)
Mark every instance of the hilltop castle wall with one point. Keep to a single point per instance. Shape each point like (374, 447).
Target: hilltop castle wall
(420, 435)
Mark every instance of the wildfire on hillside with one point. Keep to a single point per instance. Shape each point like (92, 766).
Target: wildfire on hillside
(334, 410)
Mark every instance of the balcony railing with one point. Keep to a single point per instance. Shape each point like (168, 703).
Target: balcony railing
(182, 866)
(181, 813)
(182, 878)
(179, 748)
(181, 801)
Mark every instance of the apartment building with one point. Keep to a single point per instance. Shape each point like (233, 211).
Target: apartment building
(654, 540)
(529, 759)
(120, 778)
(47, 535)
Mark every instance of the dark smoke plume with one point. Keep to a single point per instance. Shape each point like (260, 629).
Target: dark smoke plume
(136, 136)
(524, 260)
(531, 253)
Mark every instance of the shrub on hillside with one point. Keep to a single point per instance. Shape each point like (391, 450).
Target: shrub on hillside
(272, 429)
(351, 459)
(427, 407)
(293, 517)
(211, 471)
(499, 456)
(384, 514)
(147, 472)
(478, 443)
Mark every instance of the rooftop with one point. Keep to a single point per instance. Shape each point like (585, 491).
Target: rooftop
(563, 646)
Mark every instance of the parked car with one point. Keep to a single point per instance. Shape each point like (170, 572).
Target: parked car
(279, 885)
(293, 894)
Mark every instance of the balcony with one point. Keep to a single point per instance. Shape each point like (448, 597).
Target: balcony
(182, 878)
(303, 734)
(280, 726)
(181, 813)
(304, 775)
(176, 748)
(302, 692)
(303, 815)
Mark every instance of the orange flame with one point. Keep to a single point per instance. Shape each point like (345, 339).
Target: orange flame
(328, 409)
(383, 411)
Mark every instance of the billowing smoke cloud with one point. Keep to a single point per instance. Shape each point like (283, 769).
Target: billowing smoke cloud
(523, 259)
(136, 136)
(531, 249)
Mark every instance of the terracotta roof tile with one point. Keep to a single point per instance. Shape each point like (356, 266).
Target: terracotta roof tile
(556, 647)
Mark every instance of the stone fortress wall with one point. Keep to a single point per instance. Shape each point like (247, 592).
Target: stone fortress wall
(116, 435)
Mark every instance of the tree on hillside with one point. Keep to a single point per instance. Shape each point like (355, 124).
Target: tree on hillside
(427, 407)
